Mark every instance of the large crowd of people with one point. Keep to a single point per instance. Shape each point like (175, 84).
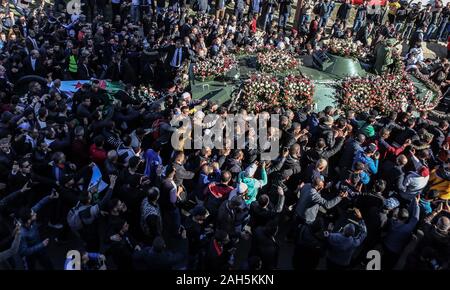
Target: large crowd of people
(84, 172)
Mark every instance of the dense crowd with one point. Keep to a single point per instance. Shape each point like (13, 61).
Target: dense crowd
(84, 172)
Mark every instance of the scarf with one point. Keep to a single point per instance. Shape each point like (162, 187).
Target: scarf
(146, 210)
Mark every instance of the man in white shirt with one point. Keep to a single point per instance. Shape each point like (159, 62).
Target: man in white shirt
(177, 57)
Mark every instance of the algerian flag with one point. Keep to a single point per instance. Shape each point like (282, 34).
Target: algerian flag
(96, 184)
(70, 87)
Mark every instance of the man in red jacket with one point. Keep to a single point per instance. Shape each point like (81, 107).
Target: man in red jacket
(96, 151)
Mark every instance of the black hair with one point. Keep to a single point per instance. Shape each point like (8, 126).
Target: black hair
(263, 200)
(134, 161)
(153, 194)
(113, 203)
(99, 140)
(410, 122)
(127, 140)
(220, 235)
(320, 143)
(225, 176)
(359, 166)
(169, 170)
(379, 186)
(24, 214)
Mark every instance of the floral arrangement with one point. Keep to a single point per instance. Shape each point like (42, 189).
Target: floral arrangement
(274, 60)
(213, 67)
(432, 96)
(246, 50)
(359, 93)
(387, 93)
(346, 48)
(398, 90)
(260, 92)
(146, 95)
(298, 91)
(425, 103)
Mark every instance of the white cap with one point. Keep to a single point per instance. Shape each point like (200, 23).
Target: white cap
(242, 187)
(185, 95)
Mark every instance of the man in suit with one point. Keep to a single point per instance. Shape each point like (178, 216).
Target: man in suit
(176, 55)
(33, 65)
(31, 42)
(120, 70)
(84, 72)
(22, 25)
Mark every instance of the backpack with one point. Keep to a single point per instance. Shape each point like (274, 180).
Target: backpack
(75, 216)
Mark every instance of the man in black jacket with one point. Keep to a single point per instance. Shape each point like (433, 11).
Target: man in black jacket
(262, 210)
(364, 33)
(176, 55)
(84, 71)
(352, 146)
(393, 173)
(158, 257)
(265, 245)
(228, 217)
(326, 130)
(321, 150)
(33, 65)
(218, 254)
(293, 160)
(290, 136)
(344, 12)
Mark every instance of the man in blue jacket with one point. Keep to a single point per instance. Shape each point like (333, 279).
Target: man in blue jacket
(369, 157)
(399, 230)
(343, 244)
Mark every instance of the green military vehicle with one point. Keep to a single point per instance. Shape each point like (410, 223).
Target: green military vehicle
(326, 70)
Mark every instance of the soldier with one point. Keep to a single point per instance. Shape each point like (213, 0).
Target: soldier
(383, 55)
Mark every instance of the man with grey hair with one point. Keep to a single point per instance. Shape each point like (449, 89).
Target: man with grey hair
(111, 163)
(33, 64)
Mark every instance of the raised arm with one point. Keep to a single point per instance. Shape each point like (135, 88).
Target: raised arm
(14, 249)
